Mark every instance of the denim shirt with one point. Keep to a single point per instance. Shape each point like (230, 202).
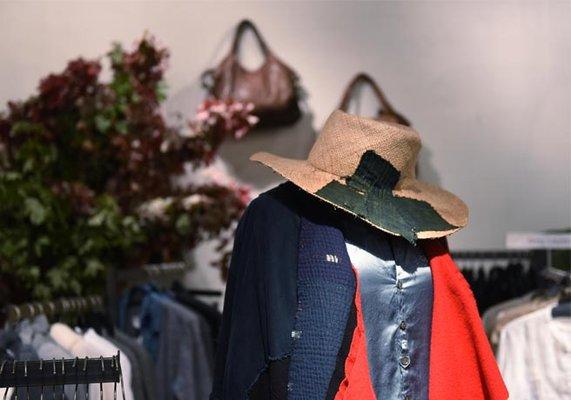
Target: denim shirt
(396, 296)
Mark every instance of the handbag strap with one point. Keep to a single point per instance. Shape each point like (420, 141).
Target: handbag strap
(241, 29)
(206, 78)
(365, 79)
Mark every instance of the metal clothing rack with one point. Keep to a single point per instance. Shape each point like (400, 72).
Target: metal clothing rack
(52, 373)
(13, 313)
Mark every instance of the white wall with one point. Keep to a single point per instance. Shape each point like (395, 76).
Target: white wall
(487, 84)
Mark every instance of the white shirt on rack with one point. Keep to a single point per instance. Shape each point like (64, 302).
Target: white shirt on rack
(89, 346)
(110, 350)
(535, 356)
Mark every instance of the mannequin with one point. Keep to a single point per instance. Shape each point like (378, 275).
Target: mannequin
(341, 286)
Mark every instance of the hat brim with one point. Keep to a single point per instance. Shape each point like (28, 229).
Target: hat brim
(312, 180)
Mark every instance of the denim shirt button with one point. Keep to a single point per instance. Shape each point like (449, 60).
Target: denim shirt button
(404, 361)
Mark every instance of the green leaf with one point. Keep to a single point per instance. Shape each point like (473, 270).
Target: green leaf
(11, 176)
(86, 246)
(28, 165)
(39, 244)
(116, 55)
(161, 91)
(102, 123)
(182, 224)
(35, 210)
(97, 219)
(34, 272)
(41, 291)
(93, 267)
(57, 276)
(25, 127)
(75, 287)
(122, 127)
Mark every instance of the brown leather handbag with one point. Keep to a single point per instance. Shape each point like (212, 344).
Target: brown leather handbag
(386, 111)
(272, 89)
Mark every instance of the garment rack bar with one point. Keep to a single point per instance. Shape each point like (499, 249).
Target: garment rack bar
(205, 292)
(60, 372)
(69, 305)
(151, 272)
(491, 254)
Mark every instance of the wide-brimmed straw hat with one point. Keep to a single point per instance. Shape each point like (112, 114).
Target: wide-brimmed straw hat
(367, 168)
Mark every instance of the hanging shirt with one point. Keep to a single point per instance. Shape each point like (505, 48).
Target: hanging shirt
(79, 347)
(144, 360)
(511, 310)
(12, 348)
(184, 357)
(108, 349)
(535, 356)
(36, 333)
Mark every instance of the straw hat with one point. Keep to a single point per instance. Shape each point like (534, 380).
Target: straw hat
(366, 167)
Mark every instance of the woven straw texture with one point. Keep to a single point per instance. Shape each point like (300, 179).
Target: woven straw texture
(336, 155)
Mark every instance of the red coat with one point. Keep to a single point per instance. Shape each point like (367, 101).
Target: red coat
(462, 364)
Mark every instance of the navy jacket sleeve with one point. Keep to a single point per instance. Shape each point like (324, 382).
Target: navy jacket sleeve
(261, 295)
(237, 264)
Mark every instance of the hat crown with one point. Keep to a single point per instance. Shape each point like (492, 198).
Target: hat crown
(345, 138)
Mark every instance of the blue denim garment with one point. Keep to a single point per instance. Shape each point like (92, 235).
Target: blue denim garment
(152, 310)
(127, 311)
(396, 298)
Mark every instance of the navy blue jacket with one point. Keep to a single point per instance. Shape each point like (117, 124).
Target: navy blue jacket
(261, 296)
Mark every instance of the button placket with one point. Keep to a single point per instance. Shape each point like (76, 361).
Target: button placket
(404, 361)
(403, 357)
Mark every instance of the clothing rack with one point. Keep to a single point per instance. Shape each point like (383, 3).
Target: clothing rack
(13, 313)
(538, 260)
(491, 255)
(51, 373)
(163, 275)
(206, 292)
